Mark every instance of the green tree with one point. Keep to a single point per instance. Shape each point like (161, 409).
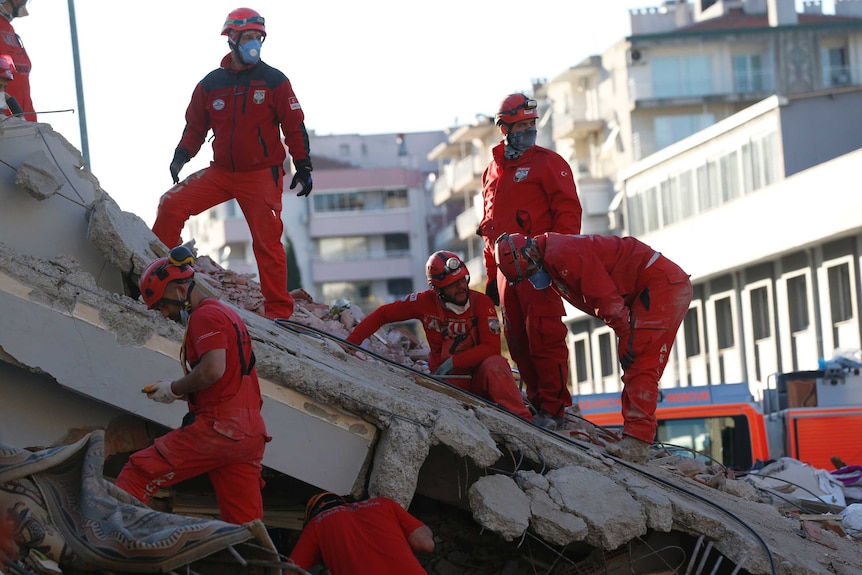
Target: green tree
(294, 277)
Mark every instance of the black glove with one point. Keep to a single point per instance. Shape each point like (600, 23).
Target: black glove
(180, 159)
(626, 352)
(302, 176)
(492, 291)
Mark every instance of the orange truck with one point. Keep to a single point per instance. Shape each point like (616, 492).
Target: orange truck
(811, 416)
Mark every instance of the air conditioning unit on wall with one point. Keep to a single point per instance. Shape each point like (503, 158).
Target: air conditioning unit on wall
(635, 57)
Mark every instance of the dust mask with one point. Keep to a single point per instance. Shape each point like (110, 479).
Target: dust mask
(250, 52)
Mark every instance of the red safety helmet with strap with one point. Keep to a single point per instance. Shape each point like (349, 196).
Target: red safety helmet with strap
(243, 19)
(510, 252)
(515, 108)
(7, 66)
(445, 268)
(177, 266)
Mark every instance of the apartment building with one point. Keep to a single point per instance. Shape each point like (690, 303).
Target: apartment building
(764, 212)
(686, 67)
(363, 232)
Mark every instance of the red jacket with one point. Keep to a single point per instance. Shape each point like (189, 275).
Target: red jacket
(19, 87)
(365, 537)
(235, 398)
(599, 275)
(244, 109)
(532, 194)
(469, 338)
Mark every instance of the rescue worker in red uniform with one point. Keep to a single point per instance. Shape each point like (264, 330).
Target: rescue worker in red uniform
(462, 330)
(11, 44)
(636, 291)
(8, 104)
(373, 536)
(223, 434)
(529, 189)
(243, 102)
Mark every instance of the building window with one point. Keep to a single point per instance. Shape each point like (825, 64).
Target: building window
(840, 294)
(833, 64)
(691, 329)
(396, 244)
(724, 323)
(356, 292)
(681, 76)
(688, 199)
(797, 302)
(748, 73)
(581, 372)
(399, 287)
(670, 129)
(730, 187)
(760, 313)
(606, 355)
(344, 150)
(343, 248)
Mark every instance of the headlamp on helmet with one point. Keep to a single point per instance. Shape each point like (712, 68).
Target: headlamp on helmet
(516, 108)
(445, 268)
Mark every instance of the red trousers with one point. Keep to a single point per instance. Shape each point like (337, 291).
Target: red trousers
(493, 379)
(656, 314)
(534, 330)
(259, 198)
(232, 463)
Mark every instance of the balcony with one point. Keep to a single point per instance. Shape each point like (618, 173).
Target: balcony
(466, 223)
(446, 237)
(467, 175)
(362, 267)
(443, 185)
(360, 223)
(576, 128)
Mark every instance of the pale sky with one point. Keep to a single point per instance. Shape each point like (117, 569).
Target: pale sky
(377, 66)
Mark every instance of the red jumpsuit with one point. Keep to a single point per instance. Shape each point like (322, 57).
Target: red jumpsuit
(364, 537)
(226, 436)
(19, 86)
(471, 339)
(532, 194)
(640, 294)
(244, 109)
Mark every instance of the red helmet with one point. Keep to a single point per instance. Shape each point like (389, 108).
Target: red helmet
(243, 19)
(515, 108)
(511, 257)
(154, 280)
(445, 268)
(7, 66)
(321, 502)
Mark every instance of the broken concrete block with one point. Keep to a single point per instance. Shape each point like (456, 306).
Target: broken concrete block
(39, 176)
(499, 505)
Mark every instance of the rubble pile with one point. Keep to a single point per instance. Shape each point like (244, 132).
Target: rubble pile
(398, 345)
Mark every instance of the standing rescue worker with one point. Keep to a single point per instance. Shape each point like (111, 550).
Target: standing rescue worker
(373, 536)
(636, 291)
(11, 44)
(529, 189)
(8, 104)
(243, 102)
(223, 434)
(462, 330)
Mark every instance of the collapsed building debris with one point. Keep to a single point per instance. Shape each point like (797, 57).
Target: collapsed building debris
(72, 328)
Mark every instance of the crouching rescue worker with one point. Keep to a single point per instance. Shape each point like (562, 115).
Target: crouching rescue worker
(462, 330)
(636, 291)
(223, 434)
(372, 536)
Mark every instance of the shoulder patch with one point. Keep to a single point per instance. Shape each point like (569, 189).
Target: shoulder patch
(494, 324)
(294, 104)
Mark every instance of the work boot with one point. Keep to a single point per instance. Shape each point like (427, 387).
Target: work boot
(630, 449)
(547, 421)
